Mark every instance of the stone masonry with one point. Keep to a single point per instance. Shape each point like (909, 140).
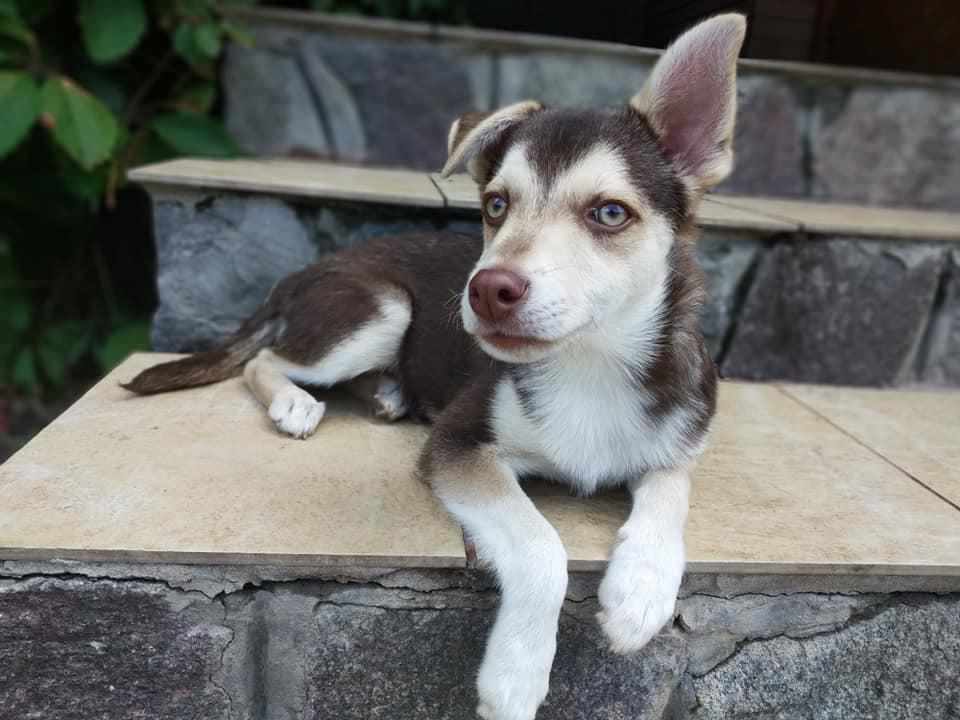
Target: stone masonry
(387, 97)
(851, 311)
(81, 640)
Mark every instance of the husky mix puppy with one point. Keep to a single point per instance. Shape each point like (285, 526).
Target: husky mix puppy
(578, 357)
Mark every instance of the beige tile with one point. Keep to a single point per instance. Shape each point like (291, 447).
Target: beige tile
(299, 178)
(459, 190)
(780, 488)
(919, 431)
(714, 212)
(835, 218)
(200, 476)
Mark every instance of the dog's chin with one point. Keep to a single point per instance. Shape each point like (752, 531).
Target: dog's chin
(516, 348)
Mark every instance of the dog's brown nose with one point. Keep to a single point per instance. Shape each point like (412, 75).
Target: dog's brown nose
(495, 294)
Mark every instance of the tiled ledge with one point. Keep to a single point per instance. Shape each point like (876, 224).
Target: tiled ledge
(315, 180)
(797, 481)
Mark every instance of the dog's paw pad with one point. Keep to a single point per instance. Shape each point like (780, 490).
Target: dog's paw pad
(296, 414)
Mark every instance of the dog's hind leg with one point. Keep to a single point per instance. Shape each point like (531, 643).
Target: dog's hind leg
(314, 350)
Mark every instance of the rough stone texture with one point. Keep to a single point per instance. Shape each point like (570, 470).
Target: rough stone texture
(942, 361)
(725, 257)
(569, 80)
(84, 650)
(899, 664)
(408, 94)
(889, 147)
(838, 311)
(718, 625)
(366, 643)
(216, 261)
(369, 655)
(768, 140)
(269, 106)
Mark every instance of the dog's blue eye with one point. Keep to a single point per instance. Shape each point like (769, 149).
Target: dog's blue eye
(495, 207)
(611, 215)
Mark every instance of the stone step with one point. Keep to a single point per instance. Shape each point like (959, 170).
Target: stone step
(411, 188)
(799, 290)
(360, 90)
(175, 553)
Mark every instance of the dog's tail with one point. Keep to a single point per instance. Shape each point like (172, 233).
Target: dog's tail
(205, 368)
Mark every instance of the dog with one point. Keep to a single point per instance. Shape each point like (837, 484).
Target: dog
(579, 358)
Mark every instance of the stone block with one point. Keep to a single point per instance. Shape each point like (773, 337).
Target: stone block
(769, 139)
(884, 146)
(572, 80)
(942, 361)
(725, 257)
(897, 662)
(372, 660)
(407, 94)
(269, 105)
(85, 650)
(717, 626)
(838, 311)
(217, 259)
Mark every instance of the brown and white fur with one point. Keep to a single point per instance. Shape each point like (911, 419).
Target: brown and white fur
(578, 356)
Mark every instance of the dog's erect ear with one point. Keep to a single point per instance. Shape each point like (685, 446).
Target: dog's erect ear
(474, 132)
(690, 99)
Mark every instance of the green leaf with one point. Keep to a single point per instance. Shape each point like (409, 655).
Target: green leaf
(20, 100)
(185, 45)
(8, 8)
(111, 28)
(195, 135)
(81, 124)
(125, 339)
(206, 38)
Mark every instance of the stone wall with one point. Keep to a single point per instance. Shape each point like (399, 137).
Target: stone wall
(114, 641)
(386, 94)
(850, 311)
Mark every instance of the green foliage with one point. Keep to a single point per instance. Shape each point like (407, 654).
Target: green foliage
(90, 88)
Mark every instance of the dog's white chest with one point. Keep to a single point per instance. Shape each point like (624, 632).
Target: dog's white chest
(587, 434)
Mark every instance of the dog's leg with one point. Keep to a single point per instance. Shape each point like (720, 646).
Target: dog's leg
(371, 346)
(524, 551)
(639, 591)
(293, 410)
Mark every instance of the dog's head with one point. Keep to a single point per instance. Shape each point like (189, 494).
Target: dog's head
(581, 207)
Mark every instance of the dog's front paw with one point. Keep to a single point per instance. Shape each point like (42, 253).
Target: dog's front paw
(296, 413)
(638, 596)
(512, 688)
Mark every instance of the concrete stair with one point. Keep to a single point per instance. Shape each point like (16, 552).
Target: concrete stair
(799, 290)
(173, 557)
